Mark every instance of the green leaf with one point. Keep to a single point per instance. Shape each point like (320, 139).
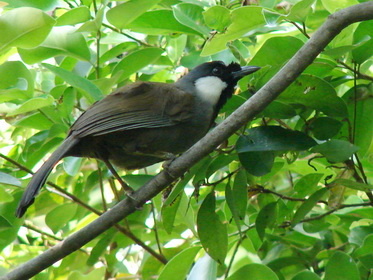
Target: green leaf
(239, 27)
(229, 197)
(332, 5)
(94, 274)
(168, 214)
(24, 27)
(279, 110)
(308, 205)
(325, 128)
(159, 22)
(100, 248)
(9, 224)
(4, 224)
(9, 180)
(342, 267)
(320, 67)
(212, 232)
(60, 216)
(366, 248)
(352, 184)
(179, 266)
(253, 271)
(274, 53)
(16, 80)
(300, 11)
(74, 16)
(137, 60)
(122, 15)
(217, 17)
(365, 51)
(175, 47)
(136, 181)
(218, 163)
(5, 196)
(72, 165)
(45, 5)
(240, 193)
(92, 92)
(257, 163)
(266, 219)
(306, 275)
(336, 150)
(61, 41)
(273, 138)
(363, 130)
(191, 15)
(237, 197)
(205, 267)
(307, 184)
(32, 105)
(95, 24)
(315, 93)
(36, 121)
(117, 51)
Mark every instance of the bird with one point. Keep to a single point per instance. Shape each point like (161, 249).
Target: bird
(144, 123)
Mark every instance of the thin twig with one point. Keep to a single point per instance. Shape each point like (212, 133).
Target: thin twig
(101, 184)
(222, 179)
(359, 75)
(261, 189)
(301, 29)
(234, 255)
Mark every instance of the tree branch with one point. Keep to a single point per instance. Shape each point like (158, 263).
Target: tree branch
(304, 57)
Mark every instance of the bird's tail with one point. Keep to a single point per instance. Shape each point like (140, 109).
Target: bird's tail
(39, 178)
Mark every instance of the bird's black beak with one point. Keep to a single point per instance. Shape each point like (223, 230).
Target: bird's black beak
(245, 70)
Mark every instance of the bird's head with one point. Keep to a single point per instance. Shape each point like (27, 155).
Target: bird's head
(214, 81)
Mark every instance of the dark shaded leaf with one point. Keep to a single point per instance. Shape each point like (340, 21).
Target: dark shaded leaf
(273, 138)
(257, 163)
(307, 206)
(212, 232)
(266, 218)
(325, 128)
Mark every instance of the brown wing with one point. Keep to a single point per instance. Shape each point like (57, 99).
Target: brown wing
(139, 105)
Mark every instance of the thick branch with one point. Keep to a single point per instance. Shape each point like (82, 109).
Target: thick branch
(304, 57)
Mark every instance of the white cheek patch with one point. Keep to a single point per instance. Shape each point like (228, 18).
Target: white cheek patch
(210, 88)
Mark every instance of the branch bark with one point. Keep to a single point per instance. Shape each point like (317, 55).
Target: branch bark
(304, 57)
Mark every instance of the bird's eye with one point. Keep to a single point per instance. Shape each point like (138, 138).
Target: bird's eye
(217, 71)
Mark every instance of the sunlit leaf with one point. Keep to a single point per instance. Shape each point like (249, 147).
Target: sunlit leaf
(24, 27)
(178, 267)
(122, 15)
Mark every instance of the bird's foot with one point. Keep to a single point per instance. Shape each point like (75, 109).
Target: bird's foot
(166, 165)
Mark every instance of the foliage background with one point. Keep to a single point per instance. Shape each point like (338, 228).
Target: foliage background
(287, 197)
